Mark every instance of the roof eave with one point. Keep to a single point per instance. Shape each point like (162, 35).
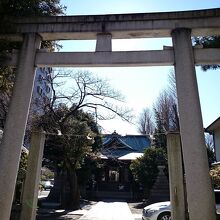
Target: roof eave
(213, 126)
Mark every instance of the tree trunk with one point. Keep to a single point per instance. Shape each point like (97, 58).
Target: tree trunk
(72, 195)
(55, 193)
(65, 190)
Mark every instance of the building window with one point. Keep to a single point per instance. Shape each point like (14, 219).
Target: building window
(36, 101)
(40, 78)
(39, 90)
(47, 89)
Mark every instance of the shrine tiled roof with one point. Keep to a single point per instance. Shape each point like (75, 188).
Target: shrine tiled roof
(115, 146)
(137, 142)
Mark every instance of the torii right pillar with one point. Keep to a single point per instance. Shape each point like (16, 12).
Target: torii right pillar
(200, 195)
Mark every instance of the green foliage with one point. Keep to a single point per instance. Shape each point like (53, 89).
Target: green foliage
(68, 151)
(70, 148)
(14, 8)
(211, 156)
(144, 169)
(21, 175)
(215, 176)
(31, 8)
(89, 166)
(6, 79)
(159, 133)
(208, 42)
(10, 9)
(22, 167)
(46, 174)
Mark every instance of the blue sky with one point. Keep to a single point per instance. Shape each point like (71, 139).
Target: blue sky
(84, 7)
(142, 85)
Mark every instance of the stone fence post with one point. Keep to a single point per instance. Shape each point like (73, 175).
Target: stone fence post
(176, 179)
(31, 186)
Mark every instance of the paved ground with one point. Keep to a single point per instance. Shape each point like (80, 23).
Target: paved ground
(136, 209)
(43, 193)
(109, 211)
(90, 210)
(58, 214)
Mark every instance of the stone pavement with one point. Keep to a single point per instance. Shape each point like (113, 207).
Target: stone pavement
(109, 211)
(90, 210)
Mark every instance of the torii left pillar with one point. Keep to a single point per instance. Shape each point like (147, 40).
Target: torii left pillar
(14, 130)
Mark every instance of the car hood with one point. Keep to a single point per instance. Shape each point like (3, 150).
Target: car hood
(158, 205)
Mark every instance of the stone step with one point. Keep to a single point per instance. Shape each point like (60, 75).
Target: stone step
(161, 187)
(50, 204)
(160, 193)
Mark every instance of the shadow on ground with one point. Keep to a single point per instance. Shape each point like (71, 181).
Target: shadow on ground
(48, 213)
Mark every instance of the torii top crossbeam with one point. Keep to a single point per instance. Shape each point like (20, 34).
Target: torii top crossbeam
(104, 28)
(121, 26)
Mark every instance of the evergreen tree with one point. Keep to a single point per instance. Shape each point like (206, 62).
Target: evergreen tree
(208, 42)
(145, 168)
(159, 132)
(68, 145)
(10, 9)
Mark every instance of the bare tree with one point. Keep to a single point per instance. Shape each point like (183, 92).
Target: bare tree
(88, 92)
(166, 117)
(209, 141)
(210, 148)
(172, 84)
(145, 122)
(165, 109)
(83, 96)
(166, 105)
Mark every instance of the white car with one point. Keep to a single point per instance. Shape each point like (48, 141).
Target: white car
(157, 211)
(162, 210)
(47, 184)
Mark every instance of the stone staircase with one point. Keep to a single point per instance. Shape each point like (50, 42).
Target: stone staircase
(99, 195)
(160, 191)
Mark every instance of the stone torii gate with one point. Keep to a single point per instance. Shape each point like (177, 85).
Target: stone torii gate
(179, 25)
